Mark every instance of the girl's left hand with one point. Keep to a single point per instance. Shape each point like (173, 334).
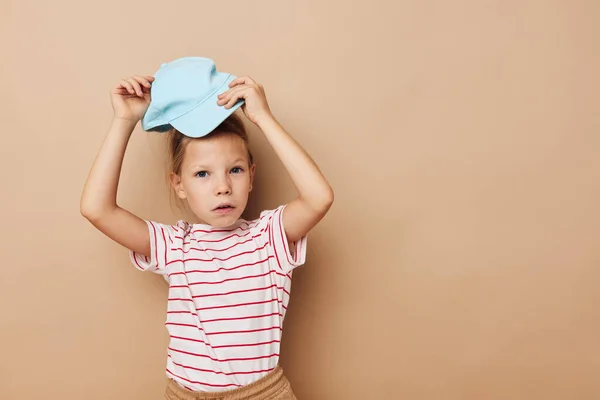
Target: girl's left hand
(255, 105)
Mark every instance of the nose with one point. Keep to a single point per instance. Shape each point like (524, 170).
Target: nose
(223, 187)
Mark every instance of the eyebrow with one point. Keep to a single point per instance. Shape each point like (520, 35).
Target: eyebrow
(198, 166)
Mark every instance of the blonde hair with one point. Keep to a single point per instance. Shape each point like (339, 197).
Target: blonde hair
(177, 142)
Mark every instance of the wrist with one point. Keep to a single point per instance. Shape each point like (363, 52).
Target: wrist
(124, 120)
(265, 120)
(122, 125)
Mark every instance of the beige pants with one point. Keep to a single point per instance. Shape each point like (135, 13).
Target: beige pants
(273, 386)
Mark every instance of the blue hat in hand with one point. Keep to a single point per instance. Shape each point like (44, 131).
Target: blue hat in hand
(184, 96)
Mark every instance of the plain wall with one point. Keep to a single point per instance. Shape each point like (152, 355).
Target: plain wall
(459, 261)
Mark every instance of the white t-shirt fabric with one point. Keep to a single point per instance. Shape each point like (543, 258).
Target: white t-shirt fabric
(228, 293)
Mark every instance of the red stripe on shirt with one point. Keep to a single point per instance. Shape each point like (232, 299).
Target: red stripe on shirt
(223, 346)
(220, 372)
(224, 249)
(272, 240)
(179, 299)
(155, 243)
(283, 237)
(249, 331)
(222, 239)
(238, 291)
(180, 324)
(220, 269)
(228, 305)
(215, 241)
(224, 332)
(242, 228)
(239, 305)
(202, 383)
(224, 319)
(135, 258)
(219, 259)
(225, 359)
(165, 243)
(230, 279)
(241, 318)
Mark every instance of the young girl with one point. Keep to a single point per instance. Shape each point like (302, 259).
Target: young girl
(229, 279)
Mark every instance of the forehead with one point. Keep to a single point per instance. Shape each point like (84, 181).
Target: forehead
(215, 150)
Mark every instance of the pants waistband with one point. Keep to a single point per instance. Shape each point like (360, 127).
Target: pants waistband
(269, 384)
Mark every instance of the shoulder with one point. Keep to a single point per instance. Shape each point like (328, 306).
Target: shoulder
(266, 218)
(269, 213)
(179, 229)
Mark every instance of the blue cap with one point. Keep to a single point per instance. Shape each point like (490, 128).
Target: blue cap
(184, 96)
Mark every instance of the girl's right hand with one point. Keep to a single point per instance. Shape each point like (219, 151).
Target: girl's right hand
(131, 97)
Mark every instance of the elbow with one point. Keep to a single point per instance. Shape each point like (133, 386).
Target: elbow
(329, 197)
(84, 209)
(92, 212)
(324, 202)
(87, 210)
(88, 213)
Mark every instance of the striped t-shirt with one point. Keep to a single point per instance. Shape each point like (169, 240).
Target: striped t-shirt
(228, 293)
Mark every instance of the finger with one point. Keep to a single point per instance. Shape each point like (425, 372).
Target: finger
(232, 102)
(121, 90)
(230, 99)
(230, 90)
(242, 80)
(142, 80)
(225, 95)
(231, 93)
(136, 86)
(125, 84)
(241, 94)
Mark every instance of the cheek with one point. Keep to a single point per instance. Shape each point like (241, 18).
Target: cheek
(243, 183)
(196, 187)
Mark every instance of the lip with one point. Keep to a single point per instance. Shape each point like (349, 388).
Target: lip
(223, 211)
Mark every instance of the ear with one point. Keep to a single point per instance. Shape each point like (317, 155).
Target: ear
(177, 186)
(252, 171)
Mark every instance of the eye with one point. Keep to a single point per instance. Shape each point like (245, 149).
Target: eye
(237, 170)
(201, 174)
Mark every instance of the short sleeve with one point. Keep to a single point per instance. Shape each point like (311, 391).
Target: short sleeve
(162, 238)
(287, 255)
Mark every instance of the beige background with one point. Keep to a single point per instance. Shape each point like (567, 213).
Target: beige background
(460, 260)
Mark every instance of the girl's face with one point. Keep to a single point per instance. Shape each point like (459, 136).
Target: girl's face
(215, 179)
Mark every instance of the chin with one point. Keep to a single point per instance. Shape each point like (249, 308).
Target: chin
(225, 221)
(218, 221)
